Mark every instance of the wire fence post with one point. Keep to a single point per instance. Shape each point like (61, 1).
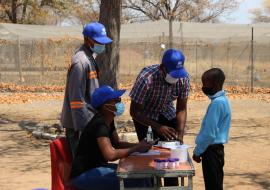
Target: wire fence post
(170, 32)
(42, 57)
(129, 66)
(252, 59)
(145, 56)
(212, 56)
(227, 56)
(182, 36)
(196, 61)
(19, 61)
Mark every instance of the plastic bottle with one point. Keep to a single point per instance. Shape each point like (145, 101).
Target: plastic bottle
(171, 163)
(176, 162)
(149, 135)
(157, 164)
(166, 164)
(162, 164)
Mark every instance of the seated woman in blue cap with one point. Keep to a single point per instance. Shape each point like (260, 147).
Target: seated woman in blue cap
(99, 143)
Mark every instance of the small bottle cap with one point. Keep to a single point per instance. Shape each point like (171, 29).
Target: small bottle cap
(157, 160)
(171, 160)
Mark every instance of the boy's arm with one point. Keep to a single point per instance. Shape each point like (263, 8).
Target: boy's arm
(209, 128)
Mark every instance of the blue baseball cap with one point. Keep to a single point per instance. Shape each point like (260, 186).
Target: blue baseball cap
(97, 32)
(174, 61)
(104, 94)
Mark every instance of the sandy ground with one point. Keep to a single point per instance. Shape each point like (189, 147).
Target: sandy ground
(25, 161)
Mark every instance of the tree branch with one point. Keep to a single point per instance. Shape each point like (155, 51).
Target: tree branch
(188, 10)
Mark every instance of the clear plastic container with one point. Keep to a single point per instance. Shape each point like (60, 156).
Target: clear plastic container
(176, 162)
(158, 164)
(166, 163)
(171, 163)
(183, 153)
(162, 164)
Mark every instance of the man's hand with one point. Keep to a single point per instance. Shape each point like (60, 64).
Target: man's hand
(197, 158)
(168, 132)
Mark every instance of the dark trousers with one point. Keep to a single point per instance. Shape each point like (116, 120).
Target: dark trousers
(212, 165)
(72, 137)
(141, 131)
(104, 178)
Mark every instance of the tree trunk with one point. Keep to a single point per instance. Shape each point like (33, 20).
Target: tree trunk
(14, 11)
(25, 4)
(110, 15)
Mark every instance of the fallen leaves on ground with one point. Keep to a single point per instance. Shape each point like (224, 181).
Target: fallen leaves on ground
(128, 85)
(233, 92)
(16, 98)
(11, 87)
(12, 93)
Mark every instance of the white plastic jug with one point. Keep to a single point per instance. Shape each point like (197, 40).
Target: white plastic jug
(181, 152)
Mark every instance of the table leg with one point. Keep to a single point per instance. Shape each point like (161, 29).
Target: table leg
(155, 181)
(190, 183)
(122, 187)
(159, 182)
(182, 181)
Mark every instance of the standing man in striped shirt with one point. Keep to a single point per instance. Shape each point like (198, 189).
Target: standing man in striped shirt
(82, 80)
(152, 97)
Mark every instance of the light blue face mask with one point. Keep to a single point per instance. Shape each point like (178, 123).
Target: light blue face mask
(120, 108)
(98, 48)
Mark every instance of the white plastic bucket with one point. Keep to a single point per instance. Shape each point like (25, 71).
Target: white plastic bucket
(181, 152)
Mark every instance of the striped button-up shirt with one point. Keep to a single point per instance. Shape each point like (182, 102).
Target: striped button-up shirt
(156, 95)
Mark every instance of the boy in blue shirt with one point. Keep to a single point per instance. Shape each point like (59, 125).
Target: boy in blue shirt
(214, 130)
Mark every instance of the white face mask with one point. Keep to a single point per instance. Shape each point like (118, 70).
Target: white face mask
(169, 79)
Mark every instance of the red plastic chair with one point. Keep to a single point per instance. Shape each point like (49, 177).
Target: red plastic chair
(61, 160)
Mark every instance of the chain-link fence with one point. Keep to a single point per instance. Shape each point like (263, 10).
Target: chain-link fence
(233, 58)
(45, 59)
(36, 55)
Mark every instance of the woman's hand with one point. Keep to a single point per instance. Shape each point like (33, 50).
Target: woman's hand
(143, 146)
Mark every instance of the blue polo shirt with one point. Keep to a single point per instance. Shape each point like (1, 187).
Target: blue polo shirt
(216, 123)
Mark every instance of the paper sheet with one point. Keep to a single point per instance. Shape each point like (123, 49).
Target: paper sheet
(149, 153)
